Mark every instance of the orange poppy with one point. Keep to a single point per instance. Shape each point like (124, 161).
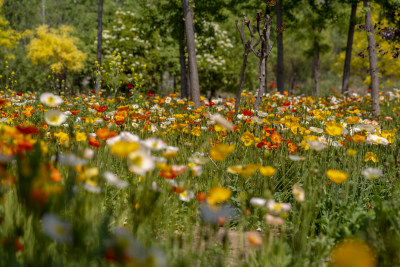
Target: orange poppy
(276, 138)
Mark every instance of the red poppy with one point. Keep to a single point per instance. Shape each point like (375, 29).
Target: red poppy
(246, 112)
(94, 142)
(167, 174)
(27, 129)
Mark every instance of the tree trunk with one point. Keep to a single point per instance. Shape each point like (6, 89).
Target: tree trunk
(280, 70)
(349, 49)
(242, 76)
(44, 11)
(191, 48)
(99, 44)
(182, 60)
(316, 67)
(262, 81)
(373, 61)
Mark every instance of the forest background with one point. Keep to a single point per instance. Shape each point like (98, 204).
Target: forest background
(144, 41)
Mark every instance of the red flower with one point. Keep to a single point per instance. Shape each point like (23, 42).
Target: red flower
(150, 94)
(28, 129)
(93, 91)
(19, 94)
(94, 142)
(167, 174)
(130, 86)
(201, 197)
(246, 112)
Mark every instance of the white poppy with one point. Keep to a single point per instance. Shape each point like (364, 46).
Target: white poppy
(51, 100)
(54, 117)
(56, 228)
(140, 162)
(113, 179)
(372, 173)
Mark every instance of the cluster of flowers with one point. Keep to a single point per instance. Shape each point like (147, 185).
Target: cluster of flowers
(288, 123)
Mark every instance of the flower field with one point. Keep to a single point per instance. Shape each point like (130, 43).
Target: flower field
(145, 180)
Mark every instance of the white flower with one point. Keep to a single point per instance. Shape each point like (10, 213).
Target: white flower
(258, 202)
(56, 228)
(186, 196)
(154, 144)
(372, 173)
(278, 207)
(113, 179)
(91, 187)
(196, 170)
(55, 117)
(69, 159)
(50, 100)
(296, 158)
(123, 137)
(140, 162)
(316, 130)
(88, 153)
(376, 139)
(298, 193)
(316, 145)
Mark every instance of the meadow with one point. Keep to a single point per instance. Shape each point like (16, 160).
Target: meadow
(148, 180)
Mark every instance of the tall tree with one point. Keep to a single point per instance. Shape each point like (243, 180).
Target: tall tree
(316, 65)
(373, 61)
(280, 67)
(349, 49)
(191, 48)
(99, 44)
(182, 61)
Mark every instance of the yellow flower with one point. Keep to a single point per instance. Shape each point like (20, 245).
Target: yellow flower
(267, 171)
(333, 128)
(389, 135)
(247, 138)
(219, 128)
(337, 176)
(221, 151)
(371, 156)
(218, 194)
(351, 152)
(196, 131)
(245, 171)
(80, 137)
(353, 253)
(63, 138)
(352, 120)
(358, 138)
(123, 149)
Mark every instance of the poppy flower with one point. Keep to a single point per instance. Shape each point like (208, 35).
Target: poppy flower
(94, 142)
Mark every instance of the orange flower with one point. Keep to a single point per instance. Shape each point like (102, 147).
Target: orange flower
(276, 138)
(105, 134)
(55, 174)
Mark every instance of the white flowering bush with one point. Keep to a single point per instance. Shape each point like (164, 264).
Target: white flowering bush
(131, 50)
(213, 57)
